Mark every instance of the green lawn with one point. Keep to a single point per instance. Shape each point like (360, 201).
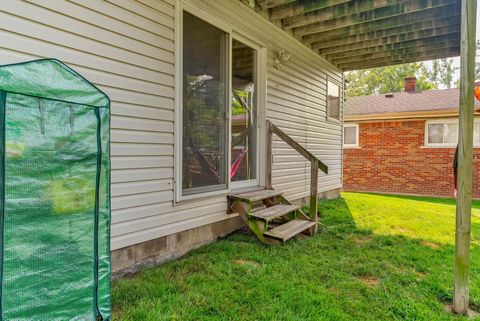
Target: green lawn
(375, 258)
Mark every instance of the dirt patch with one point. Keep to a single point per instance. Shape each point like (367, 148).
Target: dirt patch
(420, 274)
(333, 290)
(244, 230)
(362, 240)
(471, 314)
(246, 263)
(117, 309)
(301, 236)
(401, 229)
(431, 245)
(370, 280)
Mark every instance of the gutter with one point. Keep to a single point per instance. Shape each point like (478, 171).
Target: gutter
(406, 115)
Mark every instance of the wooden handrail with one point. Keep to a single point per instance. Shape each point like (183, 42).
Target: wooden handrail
(316, 164)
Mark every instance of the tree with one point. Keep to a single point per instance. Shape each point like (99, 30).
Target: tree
(442, 73)
(477, 61)
(477, 64)
(386, 79)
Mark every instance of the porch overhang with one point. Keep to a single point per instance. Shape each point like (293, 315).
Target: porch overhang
(359, 34)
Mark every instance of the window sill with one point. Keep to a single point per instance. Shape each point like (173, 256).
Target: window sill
(446, 146)
(438, 146)
(352, 147)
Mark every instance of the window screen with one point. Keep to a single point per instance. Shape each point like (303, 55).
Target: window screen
(333, 100)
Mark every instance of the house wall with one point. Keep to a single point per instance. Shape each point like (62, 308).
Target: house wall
(392, 158)
(127, 49)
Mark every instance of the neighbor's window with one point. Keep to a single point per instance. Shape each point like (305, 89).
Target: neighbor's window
(445, 133)
(333, 100)
(476, 133)
(205, 94)
(350, 135)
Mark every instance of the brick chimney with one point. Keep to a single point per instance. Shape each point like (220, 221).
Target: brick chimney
(410, 84)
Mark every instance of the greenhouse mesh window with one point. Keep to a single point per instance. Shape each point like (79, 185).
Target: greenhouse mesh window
(55, 194)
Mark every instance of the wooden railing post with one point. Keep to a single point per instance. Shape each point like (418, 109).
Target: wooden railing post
(316, 165)
(269, 157)
(314, 190)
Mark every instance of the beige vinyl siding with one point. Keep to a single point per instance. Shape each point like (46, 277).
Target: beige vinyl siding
(126, 48)
(296, 100)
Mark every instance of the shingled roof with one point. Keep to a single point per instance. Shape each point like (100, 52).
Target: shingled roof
(404, 104)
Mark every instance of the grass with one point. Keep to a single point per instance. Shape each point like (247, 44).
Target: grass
(375, 258)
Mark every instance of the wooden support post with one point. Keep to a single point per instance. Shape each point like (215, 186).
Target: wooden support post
(314, 190)
(465, 149)
(269, 157)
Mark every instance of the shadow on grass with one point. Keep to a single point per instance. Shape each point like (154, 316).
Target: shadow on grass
(431, 259)
(342, 273)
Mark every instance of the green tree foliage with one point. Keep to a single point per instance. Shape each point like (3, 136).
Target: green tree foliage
(390, 79)
(477, 61)
(442, 73)
(386, 79)
(477, 65)
(237, 107)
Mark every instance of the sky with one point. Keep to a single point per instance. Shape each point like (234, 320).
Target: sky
(456, 60)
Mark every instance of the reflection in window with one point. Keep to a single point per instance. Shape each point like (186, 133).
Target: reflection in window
(350, 135)
(435, 133)
(450, 132)
(244, 135)
(333, 100)
(476, 133)
(445, 132)
(204, 106)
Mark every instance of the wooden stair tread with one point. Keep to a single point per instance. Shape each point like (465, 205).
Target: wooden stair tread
(290, 229)
(273, 212)
(257, 195)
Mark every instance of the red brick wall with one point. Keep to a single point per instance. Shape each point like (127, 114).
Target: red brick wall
(392, 159)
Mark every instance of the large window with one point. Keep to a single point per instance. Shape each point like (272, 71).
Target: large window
(205, 107)
(333, 100)
(350, 135)
(444, 133)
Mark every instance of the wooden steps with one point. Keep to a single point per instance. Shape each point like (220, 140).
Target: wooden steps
(290, 229)
(270, 213)
(257, 195)
(270, 216)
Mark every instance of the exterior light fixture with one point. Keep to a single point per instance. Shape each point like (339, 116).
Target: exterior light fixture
(281, 58)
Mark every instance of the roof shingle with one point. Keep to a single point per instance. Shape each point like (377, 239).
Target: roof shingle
(429, 100)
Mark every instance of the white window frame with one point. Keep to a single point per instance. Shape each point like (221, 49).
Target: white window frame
(259, 98)
(340, 99)
(443, 121)
(261, 101)
(356, 145)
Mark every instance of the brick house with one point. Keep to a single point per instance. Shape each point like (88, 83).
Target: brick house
(404, 142)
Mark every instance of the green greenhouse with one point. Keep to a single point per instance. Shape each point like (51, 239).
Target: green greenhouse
(55, 194)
